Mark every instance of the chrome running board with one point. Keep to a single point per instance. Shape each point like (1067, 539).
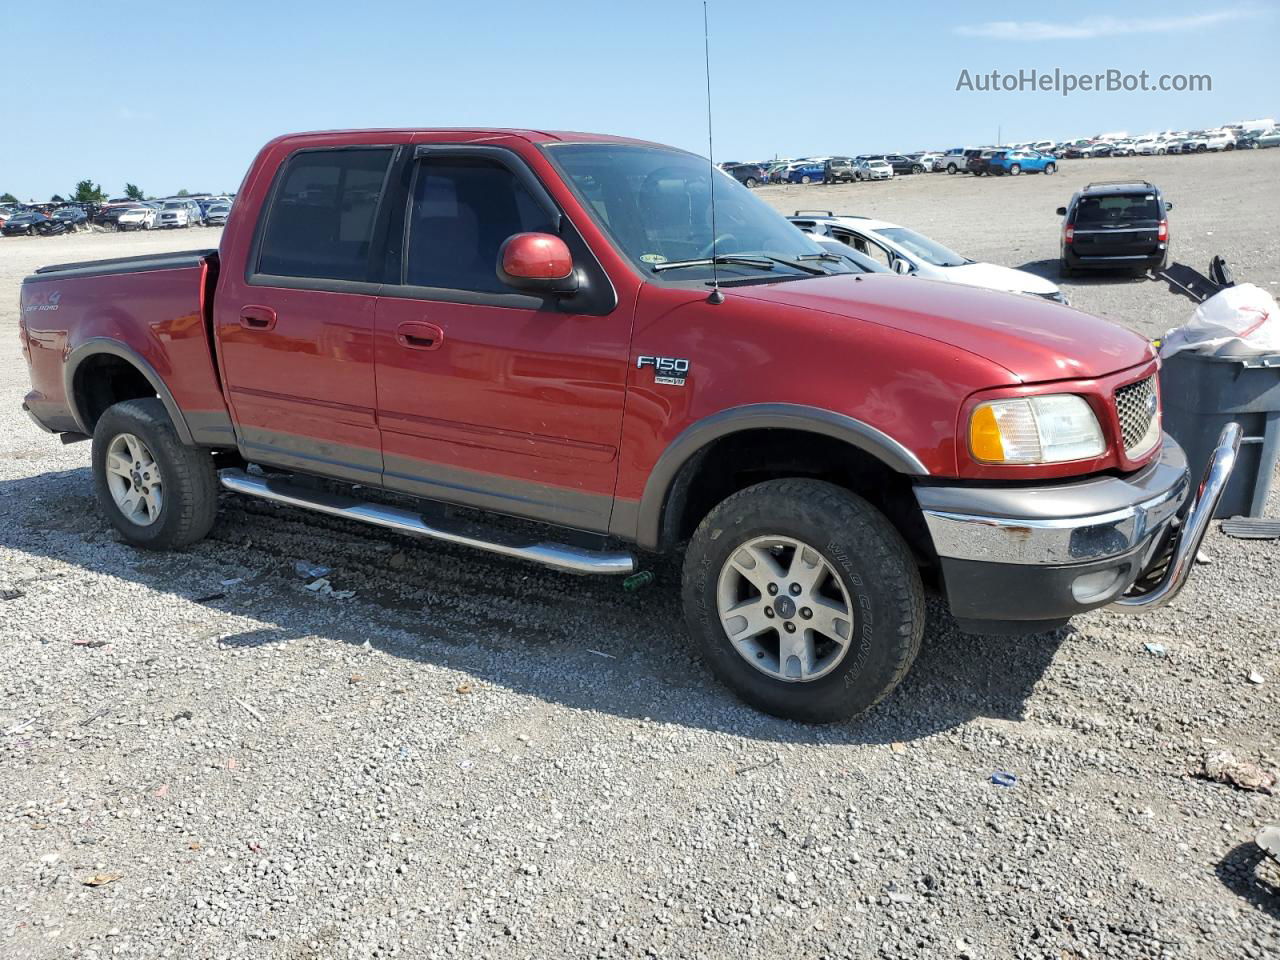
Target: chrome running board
(558, 555)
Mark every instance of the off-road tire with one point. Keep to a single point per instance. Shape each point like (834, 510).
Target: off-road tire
(190, 483)
(873, 564)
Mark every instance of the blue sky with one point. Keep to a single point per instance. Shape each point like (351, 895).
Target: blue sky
(171, 94)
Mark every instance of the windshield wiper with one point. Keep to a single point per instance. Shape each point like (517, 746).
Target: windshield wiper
(729, 258)
(802, 267)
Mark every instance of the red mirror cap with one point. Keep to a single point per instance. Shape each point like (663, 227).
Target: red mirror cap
(536, 256)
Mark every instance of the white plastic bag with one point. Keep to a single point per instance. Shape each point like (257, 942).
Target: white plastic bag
(1240, 321)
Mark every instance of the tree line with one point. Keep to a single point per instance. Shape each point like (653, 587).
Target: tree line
(87, 191)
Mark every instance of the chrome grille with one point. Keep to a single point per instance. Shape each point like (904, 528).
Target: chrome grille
(1137, 407)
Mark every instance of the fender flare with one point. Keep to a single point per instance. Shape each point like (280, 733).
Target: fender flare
(98, 346)
(649, 515)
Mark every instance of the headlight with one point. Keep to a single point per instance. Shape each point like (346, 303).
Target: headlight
(1048, 429)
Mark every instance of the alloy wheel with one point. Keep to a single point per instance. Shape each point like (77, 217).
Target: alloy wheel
(133, 476)
(784, 608)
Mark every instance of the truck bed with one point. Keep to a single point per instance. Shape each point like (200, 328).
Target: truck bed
(141, 320)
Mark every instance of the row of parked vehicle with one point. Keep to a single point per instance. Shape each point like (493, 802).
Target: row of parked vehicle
(52, 219)
(173, 213)
(1041, 156)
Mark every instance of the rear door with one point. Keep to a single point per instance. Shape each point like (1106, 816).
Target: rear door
(295, 332)
(1117, 225)
(490, 396)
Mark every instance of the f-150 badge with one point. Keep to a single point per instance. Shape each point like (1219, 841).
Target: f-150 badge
(668, 370)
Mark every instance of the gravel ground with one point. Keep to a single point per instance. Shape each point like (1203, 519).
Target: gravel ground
(478, 758)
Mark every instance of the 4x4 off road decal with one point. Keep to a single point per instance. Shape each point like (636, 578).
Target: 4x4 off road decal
(668, 370)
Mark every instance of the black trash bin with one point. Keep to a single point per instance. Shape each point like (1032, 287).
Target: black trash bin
(1201, 395)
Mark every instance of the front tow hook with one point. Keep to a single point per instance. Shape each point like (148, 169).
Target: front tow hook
(1212, 486)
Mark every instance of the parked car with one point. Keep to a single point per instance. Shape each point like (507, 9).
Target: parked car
(902, 165)
(806, 172)
(1269, 138)
(905, 251)
(957, 160)
(747, 174)
(927, 160)
(978, 162)
(73, 217)
(30, 223)
(870, 169)
(839, 170)
(216, 215)
(1123, 148)
(177, 213)
(808, 439)
(1015, 162)
(1116, 224)
(138, 217)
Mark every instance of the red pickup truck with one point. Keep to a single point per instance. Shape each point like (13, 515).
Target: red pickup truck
(402, 323)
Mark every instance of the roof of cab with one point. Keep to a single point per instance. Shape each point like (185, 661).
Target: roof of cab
(533, 136)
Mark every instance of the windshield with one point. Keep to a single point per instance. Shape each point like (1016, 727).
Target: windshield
(927, 250)
(655, 203)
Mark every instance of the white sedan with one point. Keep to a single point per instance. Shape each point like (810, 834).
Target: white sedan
(904, 251)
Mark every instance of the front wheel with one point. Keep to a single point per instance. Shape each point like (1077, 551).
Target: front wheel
(1015, 170)
(1051, 168)
(803, 600)
(159, 493)
(917, 169)
(951, 168)
(750, 182)
(806, 180)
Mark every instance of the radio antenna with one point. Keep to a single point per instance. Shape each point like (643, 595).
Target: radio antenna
(716, 295)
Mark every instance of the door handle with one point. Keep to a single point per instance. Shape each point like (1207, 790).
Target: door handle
(256, 317)
(419, 335)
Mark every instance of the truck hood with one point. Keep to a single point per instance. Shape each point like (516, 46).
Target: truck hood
(1035, 340)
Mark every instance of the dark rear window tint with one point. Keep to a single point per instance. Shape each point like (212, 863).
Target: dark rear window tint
(1118, 207)
(321, 219)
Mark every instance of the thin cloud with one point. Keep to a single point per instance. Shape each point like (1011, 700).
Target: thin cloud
(1090, 28)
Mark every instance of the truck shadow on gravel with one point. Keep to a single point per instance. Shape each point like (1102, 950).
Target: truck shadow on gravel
(579, 641)
(1238, 872)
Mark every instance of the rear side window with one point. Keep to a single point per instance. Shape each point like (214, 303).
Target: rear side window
(320, 223)
(1118, 208)
(463, 210)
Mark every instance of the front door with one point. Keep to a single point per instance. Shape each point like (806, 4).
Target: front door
(489, 396)
(296, 335)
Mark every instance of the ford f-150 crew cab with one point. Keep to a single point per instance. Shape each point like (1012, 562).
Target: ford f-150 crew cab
(426, 329)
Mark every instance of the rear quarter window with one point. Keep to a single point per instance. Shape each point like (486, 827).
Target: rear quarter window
(320, 221)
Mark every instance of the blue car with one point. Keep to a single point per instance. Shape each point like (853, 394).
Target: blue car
(1014, 162)
(809, 173)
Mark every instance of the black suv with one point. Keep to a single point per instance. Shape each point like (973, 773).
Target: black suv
(747, 174)
(1115, 225)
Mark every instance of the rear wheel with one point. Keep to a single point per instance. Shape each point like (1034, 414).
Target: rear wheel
(1051, 168)
(916, 168)
(1016, 169)
(951, 168)
(159, 493)
(806, 180)
(803, 600)
(1065, 270)
(750, 181)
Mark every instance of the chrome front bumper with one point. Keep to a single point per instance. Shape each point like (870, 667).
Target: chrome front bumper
(1063, 549)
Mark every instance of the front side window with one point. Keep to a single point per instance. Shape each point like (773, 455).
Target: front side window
(463, 209)
(320, 223)
(655, 203)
